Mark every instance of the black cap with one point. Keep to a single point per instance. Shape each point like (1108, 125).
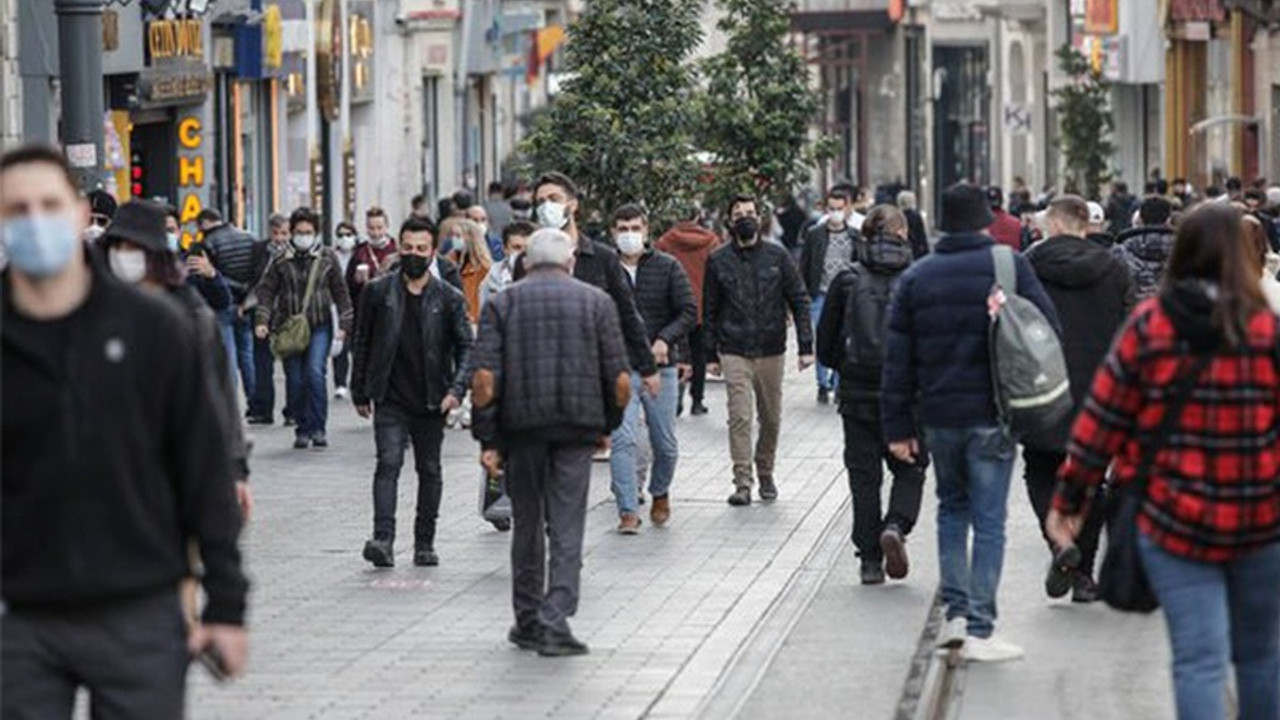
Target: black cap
(965, 209)
(102, 203)
(140, 222)
(995, 196)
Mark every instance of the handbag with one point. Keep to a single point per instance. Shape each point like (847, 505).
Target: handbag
(1122, 581)
(293, 336)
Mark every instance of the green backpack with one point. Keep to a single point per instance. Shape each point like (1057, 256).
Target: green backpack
(293, 336)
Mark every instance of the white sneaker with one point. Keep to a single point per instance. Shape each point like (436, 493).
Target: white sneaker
(991, 649)
(953, 633)
(342, 393)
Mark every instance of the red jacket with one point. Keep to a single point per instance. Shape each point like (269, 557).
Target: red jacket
(379, 260)
(691, 244)
(1006, 230)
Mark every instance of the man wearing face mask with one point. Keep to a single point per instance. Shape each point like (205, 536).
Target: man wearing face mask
(829, 248)
(410, 357)
(114, 457)
(371, 259)
(749, 288)
(102, 210)
(665, 300)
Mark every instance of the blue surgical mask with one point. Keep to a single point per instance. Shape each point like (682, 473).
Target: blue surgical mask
(40, 245)
(173, 240)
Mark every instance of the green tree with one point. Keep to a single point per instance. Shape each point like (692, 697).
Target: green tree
(759, 105)
(622, 125)
(1085, 123)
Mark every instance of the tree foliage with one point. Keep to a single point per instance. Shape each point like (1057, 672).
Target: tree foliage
(1085, 122)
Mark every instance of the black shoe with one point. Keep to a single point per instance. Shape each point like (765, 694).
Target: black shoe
(260, 420)
(425, 557)
(824, 396)
(768, 491)
(1083, 589)
(379, 553)
(290, 422)
(319, 440)
(558, 644)
(894, 547)
(698, 409)
(525, 637)
(872, 572)
(301, 442)
(740, 497)
(1062, 571)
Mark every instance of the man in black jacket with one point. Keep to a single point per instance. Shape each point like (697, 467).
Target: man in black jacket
(828, 248)
(550, 382)
(234, 254)
(1093, 293)
(666, 304)
(410, 350)
(749, 289)
(114, 459)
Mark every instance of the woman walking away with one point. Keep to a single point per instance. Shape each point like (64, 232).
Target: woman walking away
(1206, 346)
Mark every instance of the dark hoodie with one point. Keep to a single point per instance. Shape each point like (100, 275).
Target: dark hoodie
(1145, 251)
(1093, 294)
(691, 244)
(849, 336)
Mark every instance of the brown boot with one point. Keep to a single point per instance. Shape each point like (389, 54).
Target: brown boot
(660, 513)
(630, 525)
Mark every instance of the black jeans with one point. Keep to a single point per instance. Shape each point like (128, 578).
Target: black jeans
(131, 655)
(865, 453)
(342, 367)
(393, 428)
(698, 351)
(1041, 476)
(263, 402)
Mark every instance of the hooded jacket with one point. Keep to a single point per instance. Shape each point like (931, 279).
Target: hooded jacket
(1145, 251)
(1093, 294)
(691, 244)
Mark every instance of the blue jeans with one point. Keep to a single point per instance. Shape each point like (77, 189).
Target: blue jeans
(1219, 613)
(974, 466)
(237, 336)
(262, 404)
(828, 378)
(305, 380)
(660, 415)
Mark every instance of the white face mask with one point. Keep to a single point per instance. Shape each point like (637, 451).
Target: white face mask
(304, 242)
(631, 243)
(346, 242)
(379, 242)
(553, 215)
(129, 265)
(837, 217)
(92, 233)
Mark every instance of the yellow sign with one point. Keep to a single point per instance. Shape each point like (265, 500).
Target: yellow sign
(190, 173)
(273, 37)
(176, 38)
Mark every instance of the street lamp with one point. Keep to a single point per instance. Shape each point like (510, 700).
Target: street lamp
(80, 64)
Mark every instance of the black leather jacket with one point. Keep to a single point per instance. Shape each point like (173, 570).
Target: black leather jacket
(446, 340)
(747, 293)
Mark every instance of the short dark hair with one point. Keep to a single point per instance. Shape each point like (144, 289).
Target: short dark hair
(418, 224)
(1213, 191)
(1256, 195)
(304, 215)
(1155, 210)
(496, 186)
(842, 191)
(517, 228)
(173, 212)
(1070, 209)
(376, 211)
(344, 225)
(418, 201)
(629, 211)
(39, 154)
(558, 179)
(1234, 183)
(210, 215)
(739, 199)
(463, 199)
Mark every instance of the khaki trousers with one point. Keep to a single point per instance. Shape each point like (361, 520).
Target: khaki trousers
(745, 377)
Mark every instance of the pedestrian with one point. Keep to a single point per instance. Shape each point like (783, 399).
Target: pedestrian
(515, 237)
(915, 224)
(262, 403)
(691, 244)
(231, 252)
(1210, 519)
(344, 246)
(479, 215)
(498, 210)
(410, 347)
(372, 259)
(1098, 232)
(850, 335)
(1268, 263)
(1120, 207)
(790, 219)
(550, 383)
(750, 287)
(1005, 228)
(1093, 294)
(305, 284)
(665, 301)
(211, 285)
(828, 248)
(102, 210)
(115, 458)
(462, 243)
(1145, 249)
(418, 206)
(938, 376)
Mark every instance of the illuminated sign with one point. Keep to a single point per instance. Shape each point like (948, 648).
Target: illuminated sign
(190, 173)
(175, 39)
(329, 58)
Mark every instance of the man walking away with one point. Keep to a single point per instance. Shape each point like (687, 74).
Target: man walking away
(262, 404)
(1093, 294)
(515, 238)
(937, 358)
(1145, 249)
(749, 289)
(411, 345)
(666, 304)
(498, 209)
(1120, 209)
(691, 244)
(550, 382)
(1005, 228)
(828, 248)
(915, 224)
(851, 337)
(114, 458)
(232, 252)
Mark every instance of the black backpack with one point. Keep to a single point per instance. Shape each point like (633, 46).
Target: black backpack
(866, 312)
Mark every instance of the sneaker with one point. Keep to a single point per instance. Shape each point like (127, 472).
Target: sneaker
(301, 442)
(319, 440)
(260, 420)
(290, 422)
(525, 637)
(872, 572)
(824, 396)
(602, 455)
(768, 491)
(1083, 589)
(425, 557)
(894, 547)
(698, 409)
(991, 650)
(740, 497)
(558, 644)
(954, 633)
(379, 553)
(660, 513)
(630, 524)
(1062, 571)
(341, 393)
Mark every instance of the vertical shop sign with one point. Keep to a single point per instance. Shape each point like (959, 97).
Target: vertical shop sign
(190, 173)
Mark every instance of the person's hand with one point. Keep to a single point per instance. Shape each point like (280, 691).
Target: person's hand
(1063, 529)
(261, 332)
(684, 372)
(364, 410)
(905, 450)
(661, 352)
(244, 498)
(449, 404)
(491, 460)
(806, 362)
(200, 265)
(652, 384)
(230, 642)
(713, 369)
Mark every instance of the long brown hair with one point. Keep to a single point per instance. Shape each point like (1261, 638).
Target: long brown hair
(1210, 246)
(884, 220)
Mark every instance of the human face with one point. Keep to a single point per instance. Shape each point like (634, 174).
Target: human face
(419, 242)
(743, 209)
(551, 193)
(42, 219)
(171, 224)
(516, 244)
(477, 215)
(280, 233)
(376, 226)
(39, 188)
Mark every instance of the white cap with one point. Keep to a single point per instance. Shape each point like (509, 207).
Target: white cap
(1097, 215)
(1273, 195)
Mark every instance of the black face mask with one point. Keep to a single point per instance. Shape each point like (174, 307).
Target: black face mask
(414, 266)
(745, 229)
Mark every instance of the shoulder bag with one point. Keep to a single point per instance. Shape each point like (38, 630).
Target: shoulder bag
(294, 334)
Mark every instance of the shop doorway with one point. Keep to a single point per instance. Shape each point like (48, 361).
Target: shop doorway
(153, 157)
(962, 100)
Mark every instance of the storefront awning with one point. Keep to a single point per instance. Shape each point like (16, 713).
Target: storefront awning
(863, 15)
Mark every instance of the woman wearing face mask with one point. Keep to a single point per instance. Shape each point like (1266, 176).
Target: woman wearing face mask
(139, 250)
(344, 245)
(282, 295)
(462, 242)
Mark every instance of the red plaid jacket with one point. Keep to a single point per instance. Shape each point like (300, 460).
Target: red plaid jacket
(1213, 490)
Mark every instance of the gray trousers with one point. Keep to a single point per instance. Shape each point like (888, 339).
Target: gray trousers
(548, 484)
(130, 655)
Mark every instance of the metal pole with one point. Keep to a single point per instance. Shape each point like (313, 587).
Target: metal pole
(80, 64)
